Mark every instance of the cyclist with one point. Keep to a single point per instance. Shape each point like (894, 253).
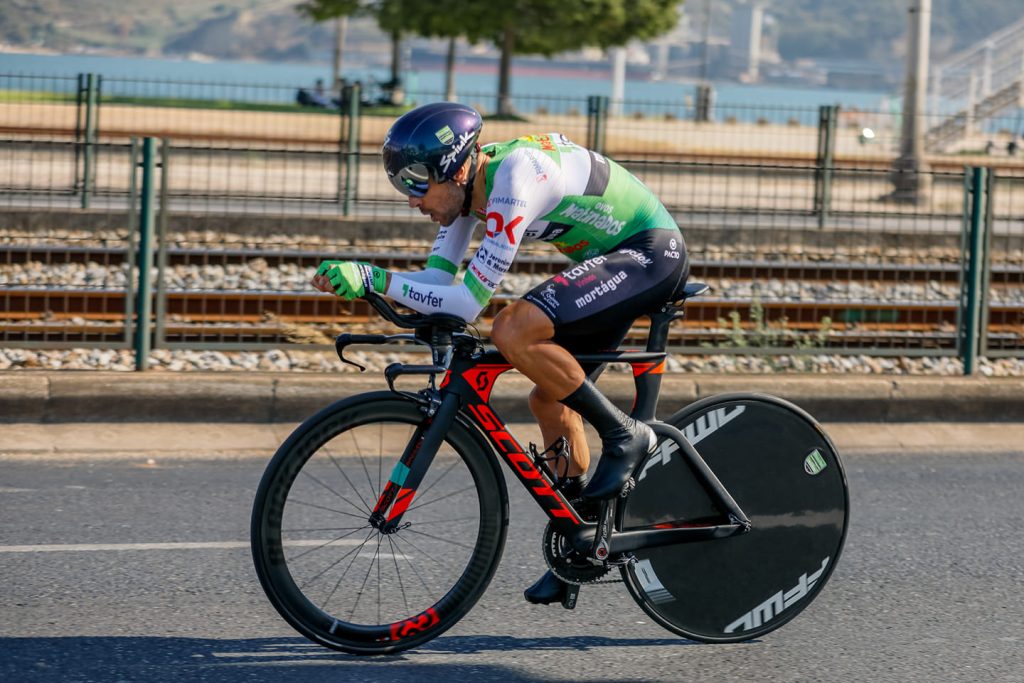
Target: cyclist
(629, 260)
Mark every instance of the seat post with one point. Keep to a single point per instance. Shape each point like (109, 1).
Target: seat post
(657, 336)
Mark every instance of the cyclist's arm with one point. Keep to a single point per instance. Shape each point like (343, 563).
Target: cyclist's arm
(447, 253)
(527, 185)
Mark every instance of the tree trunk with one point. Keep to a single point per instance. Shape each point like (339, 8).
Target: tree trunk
(340, 26)
(508, 43)
(449, 72)
(396, 56)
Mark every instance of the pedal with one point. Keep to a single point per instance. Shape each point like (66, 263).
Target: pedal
(600, 549)
(571, 593)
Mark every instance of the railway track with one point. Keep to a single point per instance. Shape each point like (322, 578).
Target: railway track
(743, 269)
(266, 317)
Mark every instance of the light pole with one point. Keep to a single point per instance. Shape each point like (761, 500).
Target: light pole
(910, 176)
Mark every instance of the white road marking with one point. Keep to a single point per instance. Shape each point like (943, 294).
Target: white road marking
(204, 545)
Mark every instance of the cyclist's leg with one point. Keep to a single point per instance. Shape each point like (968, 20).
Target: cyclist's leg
(523, 334)
(591, 307)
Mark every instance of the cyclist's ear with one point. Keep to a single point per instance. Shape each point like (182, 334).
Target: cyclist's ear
(462, 175)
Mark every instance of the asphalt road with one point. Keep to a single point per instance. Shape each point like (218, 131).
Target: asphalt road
(928, 589)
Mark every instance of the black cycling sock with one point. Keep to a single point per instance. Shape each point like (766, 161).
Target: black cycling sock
(573, 486)
(596, 409)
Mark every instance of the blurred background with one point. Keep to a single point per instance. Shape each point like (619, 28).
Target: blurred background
(847, 175)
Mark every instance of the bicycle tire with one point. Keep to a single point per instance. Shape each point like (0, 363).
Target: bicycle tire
(785, 474)
(315, 462)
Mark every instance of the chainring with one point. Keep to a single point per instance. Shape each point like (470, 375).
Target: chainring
(567, 564)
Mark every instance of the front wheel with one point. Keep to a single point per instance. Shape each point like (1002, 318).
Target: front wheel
(783, 471)
(341, 581)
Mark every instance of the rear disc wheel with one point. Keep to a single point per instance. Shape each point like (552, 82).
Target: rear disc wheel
(783, 471)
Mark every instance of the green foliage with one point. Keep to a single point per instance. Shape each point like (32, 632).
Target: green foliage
(765, 333)
(323, 10)
(550, 26)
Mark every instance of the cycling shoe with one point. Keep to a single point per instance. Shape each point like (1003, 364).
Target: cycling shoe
(621, 452)
(546, 590)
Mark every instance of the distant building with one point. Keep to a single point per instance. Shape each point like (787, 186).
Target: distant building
(745, 40)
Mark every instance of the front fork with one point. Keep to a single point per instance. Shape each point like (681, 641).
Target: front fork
(409, 471)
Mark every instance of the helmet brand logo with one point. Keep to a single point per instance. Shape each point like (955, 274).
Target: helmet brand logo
(445, 136)
(449, 158)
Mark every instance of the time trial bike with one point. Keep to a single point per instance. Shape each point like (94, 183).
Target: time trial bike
(381, 520)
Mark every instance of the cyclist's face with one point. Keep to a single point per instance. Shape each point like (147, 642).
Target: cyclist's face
(442, 202)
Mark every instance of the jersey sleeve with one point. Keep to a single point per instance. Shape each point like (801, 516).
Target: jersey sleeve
(527, 185)
(446, 255)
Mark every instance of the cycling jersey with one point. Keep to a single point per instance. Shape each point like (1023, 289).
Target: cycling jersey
(541, 187)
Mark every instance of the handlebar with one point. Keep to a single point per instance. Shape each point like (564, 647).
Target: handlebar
(415, 321)
(434, 330)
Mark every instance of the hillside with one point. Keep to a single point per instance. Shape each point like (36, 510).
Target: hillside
(870, 30)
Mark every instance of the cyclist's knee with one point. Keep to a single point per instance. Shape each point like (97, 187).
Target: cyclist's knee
(519, 324)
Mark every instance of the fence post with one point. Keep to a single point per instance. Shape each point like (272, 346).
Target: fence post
(129, 294)
(90, 137)
(144, 297)
(828, 115)
(80, 89)
(986, 263)
(597, 118)
(971, 282)
(703, 106)
(352, 151)
(161, 247)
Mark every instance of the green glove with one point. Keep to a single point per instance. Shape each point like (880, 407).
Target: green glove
(353, 279)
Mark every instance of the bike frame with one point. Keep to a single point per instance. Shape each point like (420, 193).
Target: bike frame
(466, 390)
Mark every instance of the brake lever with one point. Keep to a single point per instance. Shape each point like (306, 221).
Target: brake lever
(345, 339)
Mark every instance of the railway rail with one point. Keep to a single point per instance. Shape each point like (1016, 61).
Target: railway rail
(745, 269)
(268, 317)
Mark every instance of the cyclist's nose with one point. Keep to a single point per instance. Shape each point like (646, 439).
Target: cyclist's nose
(415, 202)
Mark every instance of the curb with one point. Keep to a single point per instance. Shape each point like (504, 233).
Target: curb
(259, 397)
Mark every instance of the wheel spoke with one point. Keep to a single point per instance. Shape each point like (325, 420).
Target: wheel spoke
(322, 507)
(359, 593)
(412, 564)
(327, 543)
(317, 480)
(326, 569)
(398, 573)
(422, 552)
(438, 500)
(439, 538)
(445, 521)
(350, 563)
(337, 465)
(439, 478)
(359, 452)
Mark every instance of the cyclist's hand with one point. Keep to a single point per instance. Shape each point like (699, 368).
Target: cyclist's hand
(350, 279)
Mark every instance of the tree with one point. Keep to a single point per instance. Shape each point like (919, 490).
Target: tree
(548, 27)
(438, 19)
(387, 12)
(338, 11)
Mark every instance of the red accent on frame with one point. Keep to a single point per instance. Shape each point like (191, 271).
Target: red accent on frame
(386, 497)
(521, 463)
(401, 503)
(481, 378)
(447, 378)
(413, 625)
(648, 368)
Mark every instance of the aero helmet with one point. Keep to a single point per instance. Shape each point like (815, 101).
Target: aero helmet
(432, 141)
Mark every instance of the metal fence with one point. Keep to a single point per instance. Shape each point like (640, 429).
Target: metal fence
(807, 250)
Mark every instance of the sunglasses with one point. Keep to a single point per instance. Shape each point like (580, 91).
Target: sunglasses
(411, 180)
